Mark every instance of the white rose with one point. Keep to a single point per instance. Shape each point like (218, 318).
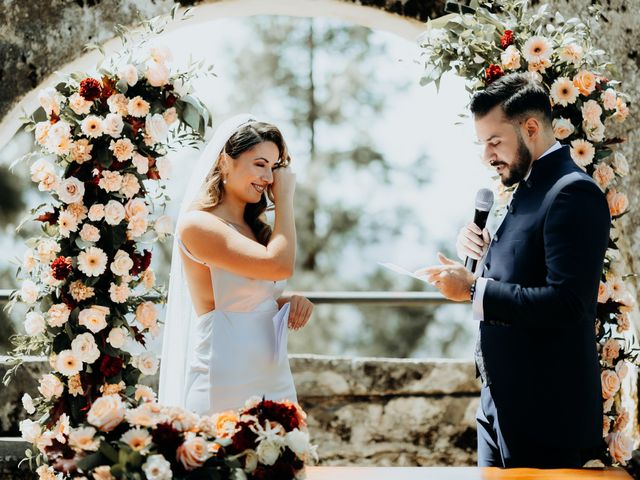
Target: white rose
(122, 263)
(29, 292)
(137, 226)
(164, 167)
(130, 185)
(29, 261)
(620, 164)
(113, 125)
(40, 169)
(164, 225)
(136, 208)
(94, 318)
(129, 73)
(156, 128)
(50, 386)
(268, 451)
(113, 212)
(117, 337)
(27, 403)
(107, 412)
(89, 233)
(34, 323)
(49, 100)
(147, 363)
(30, 430)
(85, 347)
(298, 442)
(157, 74)
(71, 190)
(141, 163)
(157, 468)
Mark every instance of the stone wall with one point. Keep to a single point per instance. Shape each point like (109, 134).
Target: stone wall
(361, 411)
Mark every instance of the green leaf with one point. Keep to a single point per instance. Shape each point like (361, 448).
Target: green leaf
(109, 452)
(91, 461)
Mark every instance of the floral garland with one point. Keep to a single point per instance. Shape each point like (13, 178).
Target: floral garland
(483, 43)
(86, 282)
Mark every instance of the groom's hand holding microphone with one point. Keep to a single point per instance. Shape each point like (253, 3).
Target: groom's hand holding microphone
(453, 279)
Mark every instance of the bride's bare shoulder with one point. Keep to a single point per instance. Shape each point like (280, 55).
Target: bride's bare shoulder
(196, 222)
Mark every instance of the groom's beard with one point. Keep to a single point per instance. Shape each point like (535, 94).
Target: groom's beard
(520, 167)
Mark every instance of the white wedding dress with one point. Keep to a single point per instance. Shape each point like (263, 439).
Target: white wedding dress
(231, 355)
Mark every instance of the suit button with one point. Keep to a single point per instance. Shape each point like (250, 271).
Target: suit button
(495, 238)
(511, 208)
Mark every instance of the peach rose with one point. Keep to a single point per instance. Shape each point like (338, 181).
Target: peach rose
(129, 73)
(119, 293)
(29, 292)
(137, 226)
(94, 318)
(562, 128)
(585, 82)
(122, 149)
(96, 212)
(193, 452)
(106, 413)
(117, 337)
(610, 350)
(618, 202)
(102, 473)
(620, 164)
(79, 105)
(609, 99)
(622, 420)
(81, 150)
(113, 125)
(89, 233)
(610, 383)
(130, 185)
(141, 163)
(603, 175)
(110, 181)
(622, 369)
(620, 447)
(58, 314)
(118, 104)
(571, 53)
(147, 314)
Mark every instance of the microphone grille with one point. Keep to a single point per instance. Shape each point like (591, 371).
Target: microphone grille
(484, 199)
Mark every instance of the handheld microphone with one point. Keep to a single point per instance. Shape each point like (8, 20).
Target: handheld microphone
(484, 202)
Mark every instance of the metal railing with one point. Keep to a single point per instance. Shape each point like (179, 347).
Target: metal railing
(349, 298)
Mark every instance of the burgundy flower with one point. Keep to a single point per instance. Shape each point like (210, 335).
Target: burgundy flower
(140, 262)
(61, 267)
(108, 87)
(137, 124)
(90, 89)
(170, 100)
(244, 438)
(110, 366)
(506, 39)
(49, 217)
(492, 73)
(167, 440)
(286, 414)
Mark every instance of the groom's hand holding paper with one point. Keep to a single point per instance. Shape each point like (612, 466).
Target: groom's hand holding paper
(451, 278)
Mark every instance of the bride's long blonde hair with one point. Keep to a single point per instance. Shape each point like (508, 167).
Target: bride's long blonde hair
(212, 192)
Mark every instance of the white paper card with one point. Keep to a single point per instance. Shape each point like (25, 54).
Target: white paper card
(281, 329)
(402, 271)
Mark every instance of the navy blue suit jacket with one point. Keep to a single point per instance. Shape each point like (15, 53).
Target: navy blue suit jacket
(538, 335)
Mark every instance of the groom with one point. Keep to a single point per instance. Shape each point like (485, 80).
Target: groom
(535, 295)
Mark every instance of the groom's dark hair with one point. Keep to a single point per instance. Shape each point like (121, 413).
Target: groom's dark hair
(518, 94)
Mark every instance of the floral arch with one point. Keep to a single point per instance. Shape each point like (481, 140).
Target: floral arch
(85, 278)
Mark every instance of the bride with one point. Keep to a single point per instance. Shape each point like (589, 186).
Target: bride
(228, 272)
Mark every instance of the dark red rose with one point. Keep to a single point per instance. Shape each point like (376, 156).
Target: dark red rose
(108, 87)
(49, 217)
(170, 100)
(90, 89)
(492, 73)
(61, 267)
(137, 124)
(286, 414)
(506, 39)
(140, 262)
(244, 438)
(167, 440)
(110, 366)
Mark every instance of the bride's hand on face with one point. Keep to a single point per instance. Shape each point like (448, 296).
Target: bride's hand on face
(284, 184)
(299, 312)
